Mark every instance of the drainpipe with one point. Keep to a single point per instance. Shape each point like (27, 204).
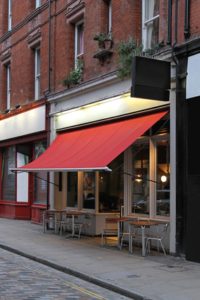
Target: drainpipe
(169, 29)
(48, 204)
(187, 19)
(49, 50)
(176, 23)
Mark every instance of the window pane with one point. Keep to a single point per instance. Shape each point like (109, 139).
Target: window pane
(8, 176)
(89, 190)
(151, 23)
(153, 33)
(37, 74)
(8, 90)
(9, 14)
(40, 178)
(80, 36)
(140, 185)
(151, 9)
(111, 186)
(37, 3)
(163, 178)
(72, 184)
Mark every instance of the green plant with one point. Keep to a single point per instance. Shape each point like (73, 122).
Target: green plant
(126, 51)
(75, 76)
(102, 38)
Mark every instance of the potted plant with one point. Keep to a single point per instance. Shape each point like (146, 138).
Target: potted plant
(102, 39)
(126, 51)
(75, 76)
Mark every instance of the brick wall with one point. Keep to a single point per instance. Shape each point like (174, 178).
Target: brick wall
(126, 22)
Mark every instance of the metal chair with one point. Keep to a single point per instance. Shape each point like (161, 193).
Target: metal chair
(158, 236)
(133, 234)
(65, 223)
(48, 220)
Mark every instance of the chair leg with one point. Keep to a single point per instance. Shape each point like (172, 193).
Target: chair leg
(131, 244)
(148, 245)
(162, 247)
(121, 242)
(79, 230)
(102, 239)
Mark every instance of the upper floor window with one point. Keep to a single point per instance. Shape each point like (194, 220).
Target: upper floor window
(37, 73)
(150, 16)
(37, 3)
(9, 14)
(109, 15)
(79, 40)
(8, 86)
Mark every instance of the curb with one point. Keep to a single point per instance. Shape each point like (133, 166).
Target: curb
(77, 274)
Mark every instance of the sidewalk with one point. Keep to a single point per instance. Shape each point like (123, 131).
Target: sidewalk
(154, 277)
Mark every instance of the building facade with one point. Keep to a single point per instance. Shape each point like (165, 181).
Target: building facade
(65, 84)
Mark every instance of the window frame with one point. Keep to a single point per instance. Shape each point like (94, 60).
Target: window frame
(8, 86)
(77, 54)
(145, 24)
(37, 75)
(110, 16)
(9, 15)
(152, 177)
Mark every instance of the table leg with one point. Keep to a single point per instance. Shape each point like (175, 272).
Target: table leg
(73, 226)
(143, 240)
(118, 235)
(130, 241)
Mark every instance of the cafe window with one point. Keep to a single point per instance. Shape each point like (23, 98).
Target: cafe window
(150, 29)
(162, 178)
(8, 177)
(111, 186)
(150, 176)
(140, 178)
(40, 178)
(72, 190)
(89, 190)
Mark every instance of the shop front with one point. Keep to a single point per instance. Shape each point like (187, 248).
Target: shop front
(23, 138)
(110, 153)
(117, 166)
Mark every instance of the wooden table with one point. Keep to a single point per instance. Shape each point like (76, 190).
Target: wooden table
(142, 224)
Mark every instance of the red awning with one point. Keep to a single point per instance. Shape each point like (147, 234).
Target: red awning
(91, 148)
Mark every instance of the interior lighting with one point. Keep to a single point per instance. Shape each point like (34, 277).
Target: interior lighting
(163, 178)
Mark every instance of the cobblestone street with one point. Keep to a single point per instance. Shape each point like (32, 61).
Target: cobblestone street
(24, 279)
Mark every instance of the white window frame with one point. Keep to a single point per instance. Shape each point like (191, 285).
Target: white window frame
(8, 86)
(145, 24)
(110, 17)
(152, 176)
(37, 73)
(37, 3)
(76, 53)
(9, 15)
